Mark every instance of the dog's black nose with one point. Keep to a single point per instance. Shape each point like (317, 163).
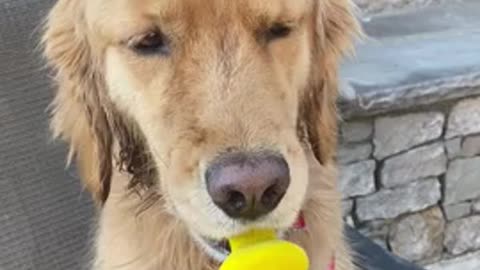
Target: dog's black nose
(248, 186)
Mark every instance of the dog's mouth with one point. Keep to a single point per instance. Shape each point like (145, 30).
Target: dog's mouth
(220, 249)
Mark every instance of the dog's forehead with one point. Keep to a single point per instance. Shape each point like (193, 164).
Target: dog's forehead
(199, 6)
(127, 13)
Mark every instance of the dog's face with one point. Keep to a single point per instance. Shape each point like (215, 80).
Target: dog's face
(226, 80)
(223, 95)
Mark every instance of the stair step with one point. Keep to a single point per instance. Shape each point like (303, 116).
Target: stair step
(418, 58)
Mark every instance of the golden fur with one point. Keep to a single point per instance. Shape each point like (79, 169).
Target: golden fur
(142, 129)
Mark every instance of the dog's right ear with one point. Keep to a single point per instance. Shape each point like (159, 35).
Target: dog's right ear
(79, 110)
(335, 30)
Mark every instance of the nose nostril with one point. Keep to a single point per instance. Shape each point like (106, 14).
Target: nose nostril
(236, 201)
(271, 196)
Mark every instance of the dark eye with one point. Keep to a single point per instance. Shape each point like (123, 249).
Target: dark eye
(150, 43)
(278, 31)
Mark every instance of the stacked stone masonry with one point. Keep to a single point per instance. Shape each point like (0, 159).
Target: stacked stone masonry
(411, 182)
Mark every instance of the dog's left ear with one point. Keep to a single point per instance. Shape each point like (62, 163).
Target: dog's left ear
(82, 113)
(79, 112)
(334, 30)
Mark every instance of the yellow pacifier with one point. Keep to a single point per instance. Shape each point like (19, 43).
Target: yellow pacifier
(262, 250)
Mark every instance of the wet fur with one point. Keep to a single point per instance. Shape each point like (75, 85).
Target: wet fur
(137, 227)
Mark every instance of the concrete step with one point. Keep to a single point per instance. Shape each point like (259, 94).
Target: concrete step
(369, 7)
(417, 58)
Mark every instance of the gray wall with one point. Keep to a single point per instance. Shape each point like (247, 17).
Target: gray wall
(44, 216)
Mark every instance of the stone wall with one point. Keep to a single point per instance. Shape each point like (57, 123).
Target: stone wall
(411, 182)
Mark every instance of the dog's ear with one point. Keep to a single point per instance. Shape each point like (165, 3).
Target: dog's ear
(79, 109)
(334, 29)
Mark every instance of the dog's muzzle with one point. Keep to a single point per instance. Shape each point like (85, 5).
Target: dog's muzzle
(219, 250)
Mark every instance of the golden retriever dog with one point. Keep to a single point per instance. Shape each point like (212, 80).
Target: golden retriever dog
(191, 121)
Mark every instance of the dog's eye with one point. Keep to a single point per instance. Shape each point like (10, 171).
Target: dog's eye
(277, 31)
(150, 43)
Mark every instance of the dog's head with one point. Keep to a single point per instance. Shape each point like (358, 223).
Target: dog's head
(209, 104)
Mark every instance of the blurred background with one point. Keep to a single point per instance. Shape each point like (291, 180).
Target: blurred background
(409, 149)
